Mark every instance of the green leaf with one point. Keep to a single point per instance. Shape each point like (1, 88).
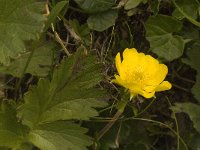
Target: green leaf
(192, 110)
(194, 141)
(159, 32)
(193, 60)
(188, 7)
(82, 31)
(20, 20)
(189, 33)
(4, 148)
(55, 12)
(40, 61)
(154, 6)
(94, 6)
(26, 146)
(102, 21)
(11, 131)
(196, 87)
(60, 135)
(132, 4)
(70, 94)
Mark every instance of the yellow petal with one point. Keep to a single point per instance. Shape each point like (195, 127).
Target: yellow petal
(149, 88)
(137, 90)
(130, 61)
(159, 75)
(153, 65)
(130, 55)
(118, 80)
(118, 63)
(142, 60)
(163, 70)
(165, 85)
(147, 94)
(129, 52)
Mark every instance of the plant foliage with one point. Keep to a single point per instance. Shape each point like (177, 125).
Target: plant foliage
(57, 64)
(15, 29)
(51, 105)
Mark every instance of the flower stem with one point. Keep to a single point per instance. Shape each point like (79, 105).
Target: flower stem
(108, 126)
(121, 105)
(176, 123)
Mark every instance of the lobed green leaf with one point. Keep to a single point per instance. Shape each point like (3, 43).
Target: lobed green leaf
(12, 132)
(41, 59)
(20, 20)
(70, 94)
(60, 135)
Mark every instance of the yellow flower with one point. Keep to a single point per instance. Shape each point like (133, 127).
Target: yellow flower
(140, 74)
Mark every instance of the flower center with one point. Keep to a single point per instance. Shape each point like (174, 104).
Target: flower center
(139, 75)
